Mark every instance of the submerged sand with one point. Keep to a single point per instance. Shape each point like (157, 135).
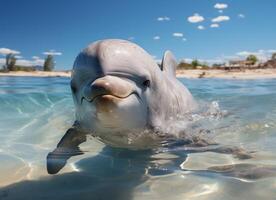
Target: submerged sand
(237, 74)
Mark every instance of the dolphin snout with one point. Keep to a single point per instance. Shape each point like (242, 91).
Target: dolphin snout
(108, 85)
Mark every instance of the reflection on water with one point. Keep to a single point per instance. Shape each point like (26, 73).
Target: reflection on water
(239, 117)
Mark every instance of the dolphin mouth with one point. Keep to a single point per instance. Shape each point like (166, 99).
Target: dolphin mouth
(111, 95)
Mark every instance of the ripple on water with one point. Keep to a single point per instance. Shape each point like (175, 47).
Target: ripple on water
(12, 169)
(37, 112)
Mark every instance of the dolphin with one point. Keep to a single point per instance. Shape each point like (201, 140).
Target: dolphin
(122, 97)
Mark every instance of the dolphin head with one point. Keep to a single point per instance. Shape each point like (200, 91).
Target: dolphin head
(111, 84)
(119, 89)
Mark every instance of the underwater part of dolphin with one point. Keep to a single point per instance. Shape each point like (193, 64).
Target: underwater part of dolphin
(122, 97)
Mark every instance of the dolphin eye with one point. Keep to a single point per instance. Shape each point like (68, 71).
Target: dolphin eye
(146, 83)
(73, 87)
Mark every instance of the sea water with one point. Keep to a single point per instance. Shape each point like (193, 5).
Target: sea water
(36, 112)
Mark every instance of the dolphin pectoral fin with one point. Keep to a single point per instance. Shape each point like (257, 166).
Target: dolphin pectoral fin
(57, 159)
(66, 148)
(169, 64)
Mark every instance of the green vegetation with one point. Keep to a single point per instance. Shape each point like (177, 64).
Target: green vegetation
(195, 64)
(49, 63)
(198, 65)
(10, 65)
(24, 68)
(252, 58)
(19, 68)
(184, 65)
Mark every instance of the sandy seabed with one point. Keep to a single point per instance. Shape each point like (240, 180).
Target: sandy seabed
(237, 74)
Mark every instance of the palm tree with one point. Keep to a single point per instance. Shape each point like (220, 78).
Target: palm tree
(10, 62)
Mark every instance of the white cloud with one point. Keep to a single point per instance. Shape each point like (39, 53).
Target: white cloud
(156, 37)
(271, 51)
(200, 27)
(247, 53)
(221, 19)
(232, 57)
(184, 39)
(261, 54)
(30, 63)
(35, 57)
(241, 15)
(220, 11)
(214, 25)
(165, 18)
(178, 34)
(211, 61)
(186, 60)
(196, 18)
(52, 52)
(220, 6)
(244, 53)
(2, 61)
(18, 57)
(5, 51)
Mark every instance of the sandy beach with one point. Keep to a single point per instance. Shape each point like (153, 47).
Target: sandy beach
(38, 73)
(244, 74)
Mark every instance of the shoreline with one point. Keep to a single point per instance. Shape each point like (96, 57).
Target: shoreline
(37, 74)
(222, 74)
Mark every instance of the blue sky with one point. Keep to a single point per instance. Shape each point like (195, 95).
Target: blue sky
(64, 27)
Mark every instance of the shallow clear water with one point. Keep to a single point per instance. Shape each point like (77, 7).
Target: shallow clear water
(36, 112)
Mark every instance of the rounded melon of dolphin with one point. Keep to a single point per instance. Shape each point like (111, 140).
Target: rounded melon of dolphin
(122, 97)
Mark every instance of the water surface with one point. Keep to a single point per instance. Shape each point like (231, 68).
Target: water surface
(36, 112)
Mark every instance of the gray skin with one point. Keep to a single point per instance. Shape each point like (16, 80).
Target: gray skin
(123, 98)
(119, 93)
(118, 90)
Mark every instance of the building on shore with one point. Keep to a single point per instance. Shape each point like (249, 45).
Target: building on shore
(240, 64)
